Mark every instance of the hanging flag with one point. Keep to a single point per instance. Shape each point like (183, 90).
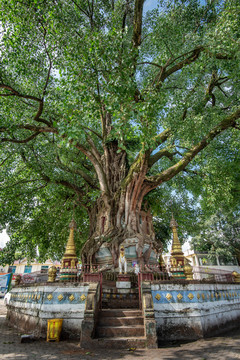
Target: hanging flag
(5, 281)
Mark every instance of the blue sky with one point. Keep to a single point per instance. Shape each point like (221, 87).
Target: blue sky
(150, 4)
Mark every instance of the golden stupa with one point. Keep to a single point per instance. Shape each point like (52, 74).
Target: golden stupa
(177, 257)
(68, 269)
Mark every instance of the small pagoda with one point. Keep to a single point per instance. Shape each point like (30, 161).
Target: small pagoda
(177, 257)
(68, 271)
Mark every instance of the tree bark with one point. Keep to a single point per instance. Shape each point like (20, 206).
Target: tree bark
(119, 215)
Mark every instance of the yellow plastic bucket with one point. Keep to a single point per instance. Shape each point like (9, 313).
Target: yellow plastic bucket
(54, 329)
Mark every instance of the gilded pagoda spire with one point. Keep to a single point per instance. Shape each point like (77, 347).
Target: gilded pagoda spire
(176, 245)
(180, 266)
(69, 261)
(177, 257)
(70, 247)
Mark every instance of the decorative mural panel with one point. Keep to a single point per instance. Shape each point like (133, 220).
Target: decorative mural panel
(49, 298)
(195, 296)
(26, 297)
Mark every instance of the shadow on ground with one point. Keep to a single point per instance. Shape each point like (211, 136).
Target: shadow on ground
(225, 347)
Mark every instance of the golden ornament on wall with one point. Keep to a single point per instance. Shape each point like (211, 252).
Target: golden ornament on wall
(190, 296)
(50, 297)
(60, 297)
(179, 296)
(71, 298)
(158, 297)
(83, 297)
(168, 297)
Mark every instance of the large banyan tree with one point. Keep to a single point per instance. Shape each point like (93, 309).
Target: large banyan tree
(105, 101)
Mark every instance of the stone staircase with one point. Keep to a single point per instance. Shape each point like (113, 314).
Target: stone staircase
(113, 298)
(120, 322)
(121, 328)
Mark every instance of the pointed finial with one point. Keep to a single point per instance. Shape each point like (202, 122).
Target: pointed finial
(173, 222)
(73, 224)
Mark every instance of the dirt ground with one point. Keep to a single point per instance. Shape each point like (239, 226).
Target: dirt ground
(225, 347)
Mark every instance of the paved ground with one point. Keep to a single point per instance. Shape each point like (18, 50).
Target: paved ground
(220, 348)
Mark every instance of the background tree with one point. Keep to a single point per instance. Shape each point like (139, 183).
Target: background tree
(218, 235)
(102, 103)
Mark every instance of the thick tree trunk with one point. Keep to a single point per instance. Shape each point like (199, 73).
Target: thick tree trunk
(118, 214)
(119, 218)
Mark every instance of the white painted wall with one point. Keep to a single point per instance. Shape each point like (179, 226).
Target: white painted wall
(210, 312)
(30, 307)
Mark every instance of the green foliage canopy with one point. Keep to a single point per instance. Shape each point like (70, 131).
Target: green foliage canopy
(168, 79)
(218, 235)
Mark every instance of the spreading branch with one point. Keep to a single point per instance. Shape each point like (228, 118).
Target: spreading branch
(159, 155)
(93, 154)
(98, 167)
(17, 141)
(14, 92)
(8, 157)
(164, 74)
(168, 174)
(79, 190)
(88, 179)
(189, 57)
(162, 137)
(22, 182)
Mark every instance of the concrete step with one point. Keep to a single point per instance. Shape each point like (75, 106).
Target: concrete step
(120, 328)
(120, 304)
(120, 294)
(114, 289)
(120, 343)
(113, 297)
(120, 313)
(120, 331)
(120, 321)
(112, 300)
